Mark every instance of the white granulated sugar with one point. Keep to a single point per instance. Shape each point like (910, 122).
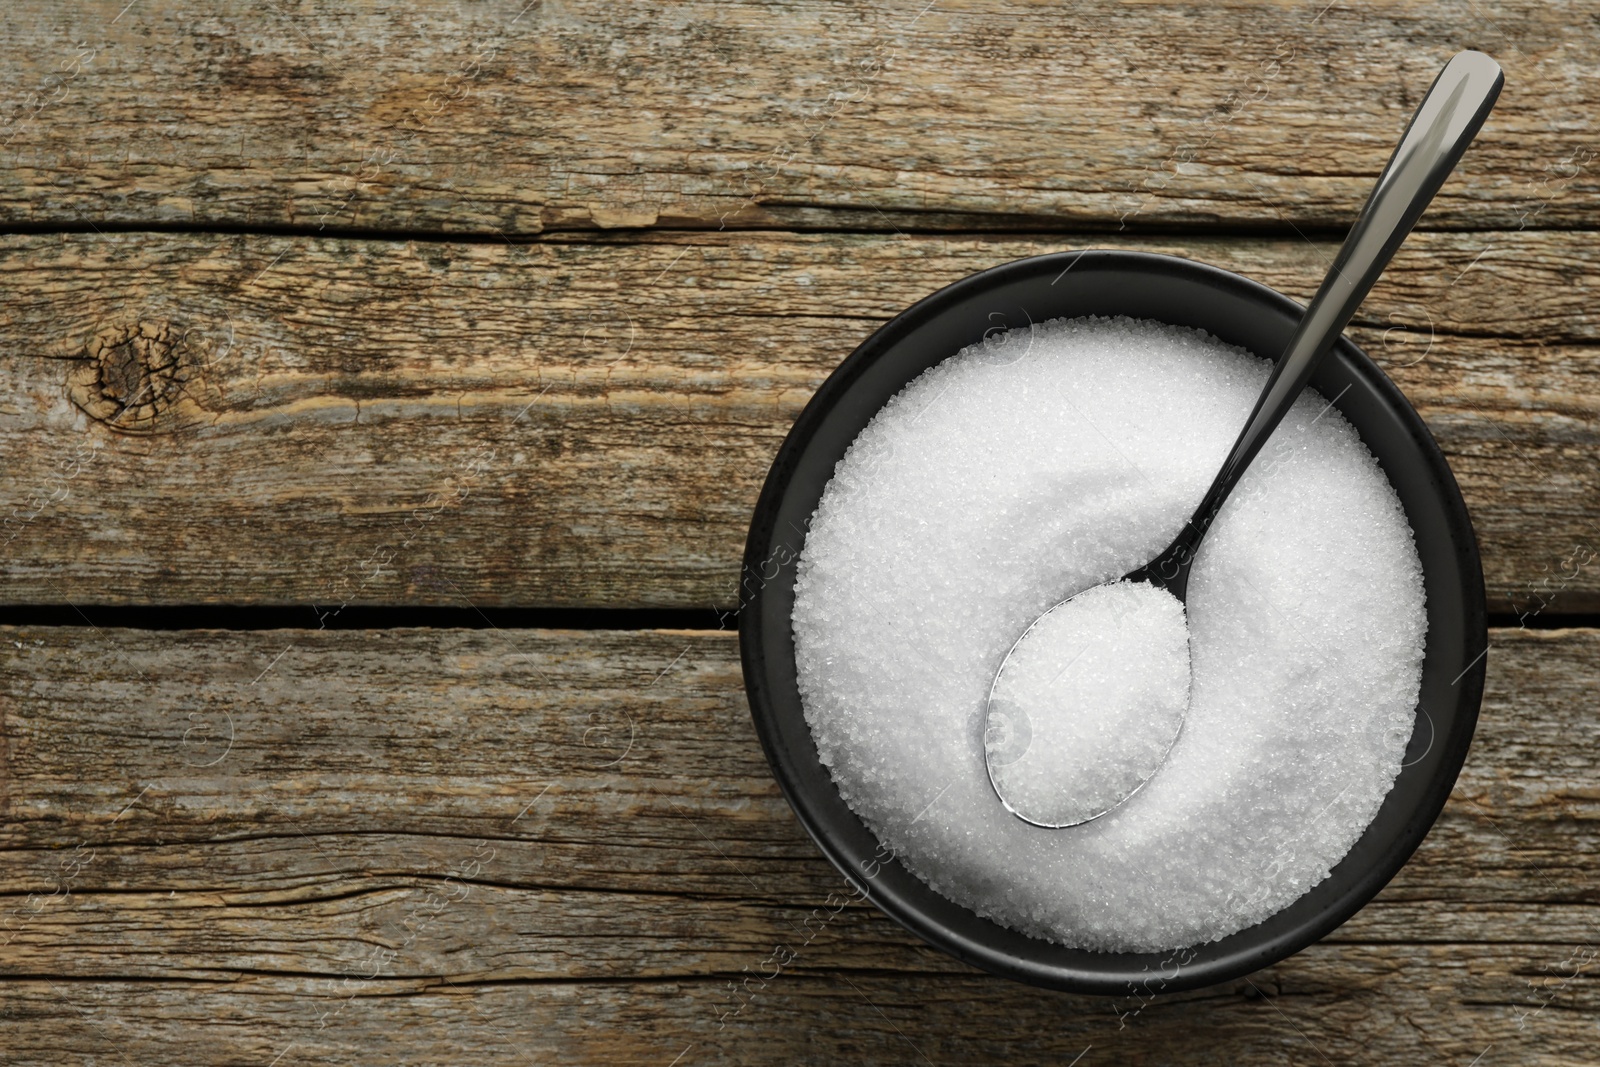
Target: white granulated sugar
(1089, 702)
(1025, 470)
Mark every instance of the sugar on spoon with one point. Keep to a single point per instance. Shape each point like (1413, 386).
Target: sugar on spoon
(1055, 764)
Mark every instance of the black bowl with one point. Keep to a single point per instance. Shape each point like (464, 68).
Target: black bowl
(1240, 312)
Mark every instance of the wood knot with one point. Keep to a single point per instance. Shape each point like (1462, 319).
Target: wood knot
(131, 376)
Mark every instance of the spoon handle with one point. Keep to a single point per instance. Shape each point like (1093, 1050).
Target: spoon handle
(1445, 123)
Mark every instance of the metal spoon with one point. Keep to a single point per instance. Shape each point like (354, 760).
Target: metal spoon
(1445, 123)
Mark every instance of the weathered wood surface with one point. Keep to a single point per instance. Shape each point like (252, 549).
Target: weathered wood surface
(583, 422)
(517, 115)
(1339, 1004)
(426, 844)
(539, 846)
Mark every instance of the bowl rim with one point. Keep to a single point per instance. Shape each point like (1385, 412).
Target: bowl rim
(754, 634)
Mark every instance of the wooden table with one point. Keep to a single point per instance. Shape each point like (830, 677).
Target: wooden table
(384, 393)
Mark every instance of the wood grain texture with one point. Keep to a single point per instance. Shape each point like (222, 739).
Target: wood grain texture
(1337, 1004)
(511, 304)
(237, 419)
(407, 844)
(518, 116)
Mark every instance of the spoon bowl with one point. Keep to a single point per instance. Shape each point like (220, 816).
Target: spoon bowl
(1116, 733)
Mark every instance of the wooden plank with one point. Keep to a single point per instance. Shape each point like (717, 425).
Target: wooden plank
(517, 117)
(240, 419)
(392, 754)
(395, 842)
(1331, 1004)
